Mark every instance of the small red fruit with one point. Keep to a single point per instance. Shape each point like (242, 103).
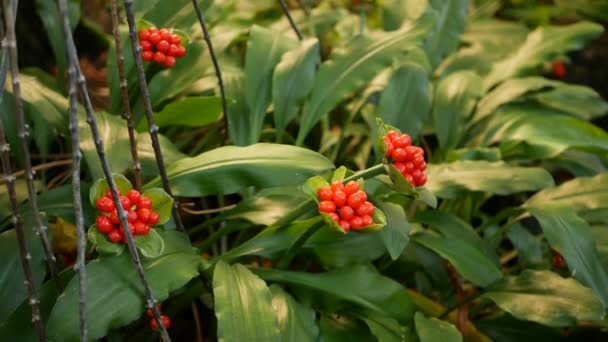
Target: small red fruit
(166, 322)
(147, 56)
(367, 220)
(392, 135)
(558, 259)
(104, 224)
(403, 141)
(399, 155)
(134, 196)
(366, 208)
(337, 185)
(559, 70)
(335, 217)
(356, 223)
(165, 35)
(159, 57)
(154, 38)
(409, 167)
(154, 217)
(346, 213)
(170, 62)
(144, 215)
(421, 181)
(345, 225)
(104, 204)
(109, 193)
(175, 39)
(152, 30)
(173, 50)
(144, 202)
(399, 166)
(139, 227)
(339, 198)
(356, 199)
(325, 193)
(114, 217)
(146, 45)
(144, 230)
(351, 187)
(410, 179)
(327, 207)
(144, 34)
(150, 313)
(114, 235)
(125, 202)
(132, 216)
(163, 46)
(181, 52)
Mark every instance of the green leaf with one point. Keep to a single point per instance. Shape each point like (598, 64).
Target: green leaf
(229, 169)
(150, 245)
(357, 62)
(162, 203)
(196, 111)
(264, 50)
(21, 194)
(176, 13)
(395, 235)
(468, 260)
(292, 80)
(102, 243)
(243, 305)
(542, 45)
(454, 99)
(405, 102)
(452, 18)
(580, 101)
(348, 286)
(147, 157)
(531, 250)
(337, 328)
(546, 298)
(396, 12)
(571, 237)
(384, 328)
(452, 179)
(435, 330)
(297, 322)
(100, 187)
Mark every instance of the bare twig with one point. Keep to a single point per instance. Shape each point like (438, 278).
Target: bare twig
(91, 120)
(291, 21)
(152, 128)
(216, 65)
(44, 166)
(39, 228)
(76, 158)
(5, 149)
(124, 93)
(207, 211)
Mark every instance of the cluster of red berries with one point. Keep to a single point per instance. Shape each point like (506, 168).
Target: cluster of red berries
(347, 205)
(165, 319)
(139, 214)
(408, 159)
(160, 46)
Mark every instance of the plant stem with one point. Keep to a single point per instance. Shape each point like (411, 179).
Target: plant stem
(297, 245)
(39, 228)
(91, 120)
(124, 93)
(291, 21)
(216, 65)
(152, 128)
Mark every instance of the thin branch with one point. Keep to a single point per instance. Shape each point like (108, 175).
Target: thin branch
(39, 228)
(152, 128)
(291, 21)
(207, 211)
(91, 120)
(76, 159)
(5, 149)
(124, 93)
(216, 65)
(44, 166)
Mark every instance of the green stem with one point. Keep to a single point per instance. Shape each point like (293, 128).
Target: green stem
(297, 245)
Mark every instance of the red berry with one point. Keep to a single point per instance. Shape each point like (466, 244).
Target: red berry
(389, 146)
(170, 62)
(400, 166)
(154, 217)
(146, 45)
(175, 39)
(145, 230)
(559, 70)
(125, 202)
(367, 220)
(114, 217)
(410, 179)
(144, 215)
(134, 196)
(166, 322)
(392, 135)
(131, 229)
(335, 217)
(147, 56)
(337, 185)
(403, 141)
(345, 225)
(339, 198)
(109, 193)
(104, 204)
(325, 193)
(144, 202)
(114, 235)
(152, 30)
(356, 223)
(159, 57)
(154, 38)
(422, 167)
(351, 187)
(418, 160)
(399, 155)
(144, 34)
(165, 35)
(150, 313)
(132, 216)
(104, 224)
(346, 213)
(162, 46)
(181, 52)
(366, 208)
(421, 181)
(356, 199)
(327, 207)
(173, 50)
(409, 167)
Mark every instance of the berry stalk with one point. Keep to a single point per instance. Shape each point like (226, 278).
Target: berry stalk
(295, 28)
(152, 128)
(124, 93)
(39, 228)
(73, 62)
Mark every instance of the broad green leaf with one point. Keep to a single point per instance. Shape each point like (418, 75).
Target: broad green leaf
(571, 237)
(297, 322)
(396, 12)
(452, 179)
(531, 250)
(229, 169)
(600, 235)
(243, 305)
(264, 50)
(114, 293)
(197, 111)
(452, 18)
(292, 80)
(385, 329)
(491, 154)
(162, 203)
(455, 98)
(508, 328)
(59, 202)
(351, 66)
(547, 298)
(238, 112)
(542, 45)
(405, 102)
(395, 235)
(580, 101)
(101, 187)
(320, 21)
(337, 328)
(150, 245)
(103, 245)
(349, 286)
(176, 13)
(147, 157)
(435, 330)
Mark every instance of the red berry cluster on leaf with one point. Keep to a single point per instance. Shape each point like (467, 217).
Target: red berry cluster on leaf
(139, 214)
(165, 319)
(160, 46)
(408, 159)
(347, 205)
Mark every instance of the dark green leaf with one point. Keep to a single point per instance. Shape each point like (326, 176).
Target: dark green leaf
(385, 329)
(162, 203)
(452, 18)
(243, 305)
(396, 12)
(297, 322)
(395, 234)
(530, 249)
(338, 328)
(100, 187)
(435, 330)
(197, 111)
(580, 101)
(102, 243)
(150, 245)
(145, 152)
